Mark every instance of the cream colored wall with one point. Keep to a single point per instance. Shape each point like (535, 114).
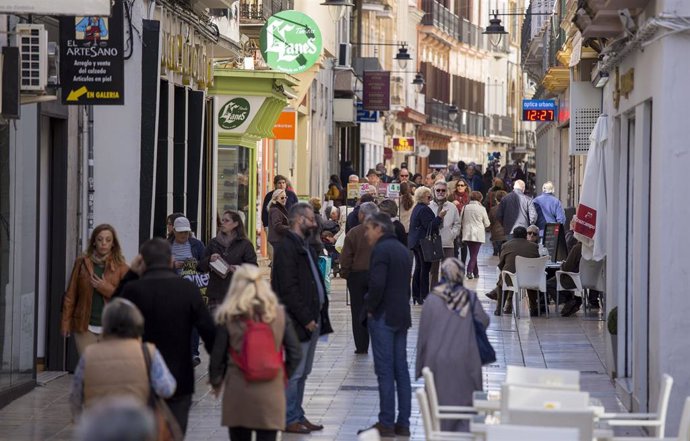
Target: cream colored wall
(322, 18)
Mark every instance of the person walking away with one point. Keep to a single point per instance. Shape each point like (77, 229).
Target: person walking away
(406, 205)
(497, 185)
(389, 207)
(171, 307)
(460, 197)
(277, 218)
(232, 245)
(95, 276)
(388, 319)
(251, 406)
(447, 342)
(475, 221)
(354, 267)
(301, 289)
(117, 366)
(516, 209)
(422, 221)
(187, 252)
(117, 419)
(450, 229)
(498, 234)
(353, 217)
(549, 208)
(336, 193)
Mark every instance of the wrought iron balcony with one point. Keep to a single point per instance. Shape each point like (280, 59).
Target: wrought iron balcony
(502, 126)
(258, 11)
(438, 15)
(469, 123)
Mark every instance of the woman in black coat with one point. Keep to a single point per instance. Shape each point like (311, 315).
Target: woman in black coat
(231, 245)
(421, 220)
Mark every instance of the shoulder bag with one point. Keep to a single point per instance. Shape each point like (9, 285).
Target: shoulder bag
(486, 352)
(167, 426)
(432, 247)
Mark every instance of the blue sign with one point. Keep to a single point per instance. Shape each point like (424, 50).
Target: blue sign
(539, 110)
(366, 116)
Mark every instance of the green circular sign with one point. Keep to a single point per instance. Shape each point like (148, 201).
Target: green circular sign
(233, 113)
(290, 42)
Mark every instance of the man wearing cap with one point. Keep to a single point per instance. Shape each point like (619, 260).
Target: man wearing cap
(187, 251)
(373, 178)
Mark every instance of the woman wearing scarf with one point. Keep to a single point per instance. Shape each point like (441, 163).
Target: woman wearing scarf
(231, 245)
(94, 278)
(447, 343)
(460, 197)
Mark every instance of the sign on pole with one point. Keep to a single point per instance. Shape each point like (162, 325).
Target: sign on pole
(366, 116)
(92, 69)
(377, 90)
(290, 42)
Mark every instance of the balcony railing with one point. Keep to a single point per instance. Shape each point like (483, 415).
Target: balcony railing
(438, 15)
(258, 11)
(437, 111)
(502, 126)
(470, 123)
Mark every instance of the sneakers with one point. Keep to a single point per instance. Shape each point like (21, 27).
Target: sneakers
(384, 431)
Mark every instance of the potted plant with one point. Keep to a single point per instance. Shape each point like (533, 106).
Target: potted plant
(612, 325)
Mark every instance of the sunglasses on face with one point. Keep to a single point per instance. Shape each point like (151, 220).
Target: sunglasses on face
(531, 234)
(462, 185)
(440, 190)
(404, 176)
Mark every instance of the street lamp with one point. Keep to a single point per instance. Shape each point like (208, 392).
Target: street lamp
(418, 82)
(495, 28)
(453, 112)
(403, 56)
(337, 8)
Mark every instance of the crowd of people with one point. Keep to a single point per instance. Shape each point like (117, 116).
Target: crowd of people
(138, 327)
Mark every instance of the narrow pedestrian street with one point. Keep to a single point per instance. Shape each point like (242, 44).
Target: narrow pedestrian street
(341, 391)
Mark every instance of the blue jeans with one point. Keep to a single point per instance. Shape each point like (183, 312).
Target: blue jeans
(389, 346)
(295, 389)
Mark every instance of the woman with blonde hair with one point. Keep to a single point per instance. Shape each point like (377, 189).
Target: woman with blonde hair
(277, 217)
(95, 276)
(251, 406)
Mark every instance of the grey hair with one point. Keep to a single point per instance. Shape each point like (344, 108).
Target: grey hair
(389, 207)
(368, 208)
(381, 220)
(122, 319)
(547, 187)
(297, 210)
(120, 418)
(519, 184)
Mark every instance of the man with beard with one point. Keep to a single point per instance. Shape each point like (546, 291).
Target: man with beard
(298, 284)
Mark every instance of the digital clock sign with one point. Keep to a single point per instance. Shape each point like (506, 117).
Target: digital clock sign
(539, 110)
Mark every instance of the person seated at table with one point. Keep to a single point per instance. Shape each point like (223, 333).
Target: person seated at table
(533, 234)
(518, 246)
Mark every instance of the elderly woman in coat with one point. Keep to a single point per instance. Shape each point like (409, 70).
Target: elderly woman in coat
(447, 343)
(474, 222)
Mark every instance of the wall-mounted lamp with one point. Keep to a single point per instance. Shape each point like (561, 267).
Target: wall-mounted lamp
(403, 56)
(453, 112)
(337, 8)
(495, 28)
(418, 82)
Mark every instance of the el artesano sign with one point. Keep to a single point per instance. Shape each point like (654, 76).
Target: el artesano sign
(290, 42)
(234, 114)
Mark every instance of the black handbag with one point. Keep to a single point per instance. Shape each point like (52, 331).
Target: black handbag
(432, 247)
(486, 352)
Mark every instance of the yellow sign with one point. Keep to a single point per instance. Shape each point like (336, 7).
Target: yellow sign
(403, 144)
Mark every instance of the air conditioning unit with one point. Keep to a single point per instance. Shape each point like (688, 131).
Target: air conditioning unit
(32, 40)
(585, 108)
(344, 55)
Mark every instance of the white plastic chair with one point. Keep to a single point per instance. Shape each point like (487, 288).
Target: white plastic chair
(590, 276)
(429, 432)
(583, 421)
(439, 412)
(510, 432)
(683, 429)
(528, 398)
(656, 420)
(369, 435)
(530, 273)
(543, 378)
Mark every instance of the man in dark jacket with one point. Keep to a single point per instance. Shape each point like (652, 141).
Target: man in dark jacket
(518, 246)
(516, 209)
(300, 287)
(353, 218)
(171, 307)
(388, 319)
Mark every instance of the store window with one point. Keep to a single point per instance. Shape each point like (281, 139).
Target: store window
(233, 180)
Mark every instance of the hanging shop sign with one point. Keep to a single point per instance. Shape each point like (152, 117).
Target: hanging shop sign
(539, 110)
(366, 116)
(290, 42)
(92, 69)
(423, 151)
(235, 113)
(403, 144)
(377, 90)
(53, 7)
(285, 126)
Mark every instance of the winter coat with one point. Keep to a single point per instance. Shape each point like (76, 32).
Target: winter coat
(172, 307)
(239, 252)
(447, 345)
(277, 223)
(294, 284)
(196, 246)
(389, 282)
(516, 210)
(78, 299)
(514, 248)
(256, 405)
(460, 200)
(291, 200)
(496, 228)
(475, 221)
(451, 223)
(422, 218)
(405, 216)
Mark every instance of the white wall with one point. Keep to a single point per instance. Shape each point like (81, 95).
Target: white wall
(117, 132)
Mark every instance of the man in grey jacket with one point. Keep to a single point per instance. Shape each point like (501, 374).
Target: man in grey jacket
(451, 224)
(516, 209)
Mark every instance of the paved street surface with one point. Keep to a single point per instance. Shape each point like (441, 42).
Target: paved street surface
(341, 391)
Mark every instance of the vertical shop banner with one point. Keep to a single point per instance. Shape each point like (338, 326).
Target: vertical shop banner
(377, 90)
(92, 69)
